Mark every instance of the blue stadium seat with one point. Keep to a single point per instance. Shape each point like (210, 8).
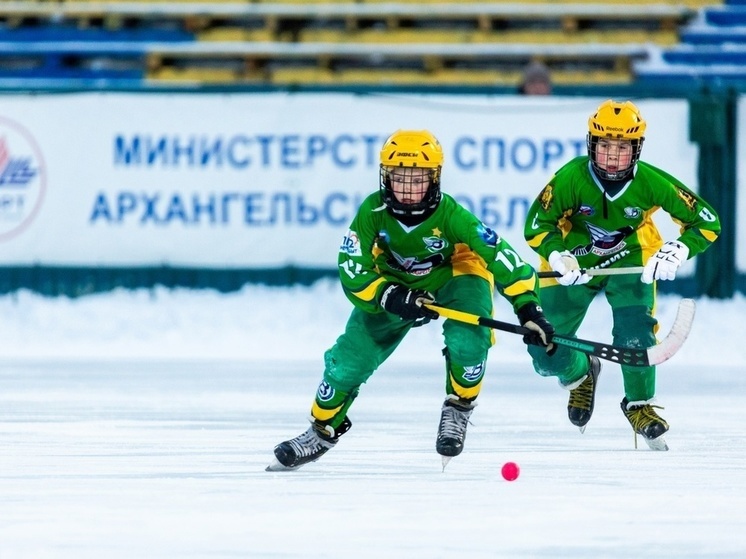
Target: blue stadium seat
(712, 51)
(53, 33)
(713, 36)
(72, 60)
(707, 55)
(727, 16)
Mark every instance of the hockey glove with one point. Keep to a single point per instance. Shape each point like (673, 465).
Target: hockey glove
(566, 264)
(532, 317)
(664, 263)
(408, 303)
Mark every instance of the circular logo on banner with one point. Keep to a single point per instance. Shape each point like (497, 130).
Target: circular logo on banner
(23, 179)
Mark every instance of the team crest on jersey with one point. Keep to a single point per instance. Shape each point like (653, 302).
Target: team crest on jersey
(546, 197)
(474, 373)
(688, 198)
(586, 210)
(412, 265)
(434, 244)
(325, 392)
(632, 213)
(490, 237)
(603, 242)
(351, 244)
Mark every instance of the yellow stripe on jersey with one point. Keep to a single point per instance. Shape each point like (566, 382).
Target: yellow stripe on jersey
(648, 236)
(520, 287)
(709, 235)
(536, 241)
(466, 262)
(369, 293)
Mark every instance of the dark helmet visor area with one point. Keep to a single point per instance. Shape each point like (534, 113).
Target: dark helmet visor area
(405, 185)
(621, 174)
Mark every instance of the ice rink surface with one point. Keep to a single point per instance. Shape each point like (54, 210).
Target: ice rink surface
(165, 458)
(138, 425)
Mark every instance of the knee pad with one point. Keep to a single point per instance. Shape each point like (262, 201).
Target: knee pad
(634, 327)
(566, 364)
(464, 381)
(468, 343)
(330, 405)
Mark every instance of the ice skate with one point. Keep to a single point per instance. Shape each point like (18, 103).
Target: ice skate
(307, 447)
(454, 419)
(583, 396)
(646, 423)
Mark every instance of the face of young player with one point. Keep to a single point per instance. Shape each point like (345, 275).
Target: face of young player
(409, 184)
(614, 156)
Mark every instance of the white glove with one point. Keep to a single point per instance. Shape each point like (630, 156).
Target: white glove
(664, 263)
(566, 264)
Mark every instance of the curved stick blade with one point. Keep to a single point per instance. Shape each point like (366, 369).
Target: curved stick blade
(682, 325)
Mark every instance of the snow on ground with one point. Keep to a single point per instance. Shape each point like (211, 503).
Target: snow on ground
(139, 425)
(295, 323)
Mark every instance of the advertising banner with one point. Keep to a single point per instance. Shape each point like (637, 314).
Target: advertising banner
(270, 180)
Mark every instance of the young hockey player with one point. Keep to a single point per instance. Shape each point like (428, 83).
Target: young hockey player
(596, 212)
(410, 244)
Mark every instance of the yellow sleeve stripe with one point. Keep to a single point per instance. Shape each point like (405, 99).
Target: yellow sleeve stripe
(536, 241)
(520, 287)
(369, 293)
(709, 235)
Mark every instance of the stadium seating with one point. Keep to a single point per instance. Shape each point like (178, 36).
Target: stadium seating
(712, 51)
(187, 43)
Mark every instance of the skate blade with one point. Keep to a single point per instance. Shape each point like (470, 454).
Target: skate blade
(582, 429)
(657, 444)
(445, 460)
(275, 466)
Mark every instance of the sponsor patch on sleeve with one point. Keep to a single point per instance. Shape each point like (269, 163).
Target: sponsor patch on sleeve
(351, 244)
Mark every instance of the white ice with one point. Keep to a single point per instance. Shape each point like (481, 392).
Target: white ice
(138, 425)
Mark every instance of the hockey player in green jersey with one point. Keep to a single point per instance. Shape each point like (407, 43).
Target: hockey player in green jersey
(408, 245)
(596, 212)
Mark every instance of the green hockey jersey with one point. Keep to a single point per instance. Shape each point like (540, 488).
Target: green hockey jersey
(378, 250)
(574, 212)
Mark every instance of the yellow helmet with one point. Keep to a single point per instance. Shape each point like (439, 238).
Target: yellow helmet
(616, 121)
(414, 149)
(621, 121)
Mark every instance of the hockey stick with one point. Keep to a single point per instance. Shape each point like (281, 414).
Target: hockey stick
(654, 355)
(597, 272)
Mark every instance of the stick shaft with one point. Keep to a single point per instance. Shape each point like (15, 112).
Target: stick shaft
(617, 354)
(598, 272)
(645, 357)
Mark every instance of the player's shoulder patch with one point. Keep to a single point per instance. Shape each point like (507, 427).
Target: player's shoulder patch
(489, 236)
(688, 198)
(546, 196)
(351, 244)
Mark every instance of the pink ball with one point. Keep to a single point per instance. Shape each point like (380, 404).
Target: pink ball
(510, 471)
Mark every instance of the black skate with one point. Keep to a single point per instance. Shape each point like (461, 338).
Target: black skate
(307, 447)
(646, 423)
(583, 397)
(454, 418)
